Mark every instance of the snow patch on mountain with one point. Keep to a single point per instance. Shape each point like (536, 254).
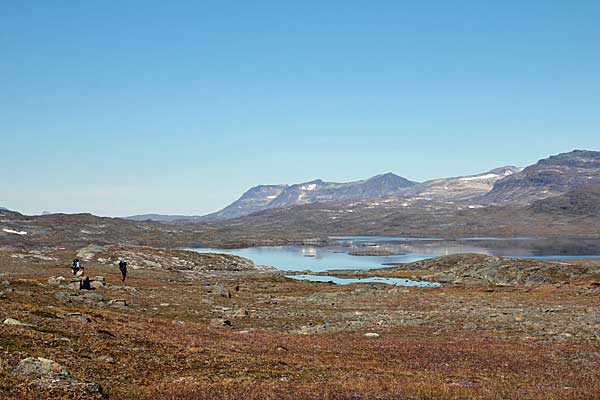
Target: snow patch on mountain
(480, 177)
(460, 188)
(312, 186)
(22, 233)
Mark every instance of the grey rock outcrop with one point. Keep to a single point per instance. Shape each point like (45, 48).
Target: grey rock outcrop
(55, 378)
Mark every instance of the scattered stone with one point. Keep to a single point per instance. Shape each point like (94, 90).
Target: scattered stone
(239, 313)
(372, 335)
(107, 359)
(220, 290)
(66, 297)
(93, 296)
(12, 321)
(106, 333)
(97, 284)
(124, 289)
(221, 323)
(59, 281)
(78, 316)
(75, 282)
(120, 303)
(5, 283)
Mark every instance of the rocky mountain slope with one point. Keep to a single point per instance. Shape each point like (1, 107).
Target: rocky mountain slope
(459, 188)
(582, 202)
(255, 199)
(548, 177)
(324, 192)
(398, 217)
(265, 197)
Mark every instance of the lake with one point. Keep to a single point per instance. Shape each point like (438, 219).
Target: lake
(406, 250)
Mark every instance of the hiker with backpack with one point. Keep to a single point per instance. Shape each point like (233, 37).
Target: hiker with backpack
(75, 266)
(123, 269)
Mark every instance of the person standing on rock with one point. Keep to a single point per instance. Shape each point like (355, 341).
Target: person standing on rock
(123, 269)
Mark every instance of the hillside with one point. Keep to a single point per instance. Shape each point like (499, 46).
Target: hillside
(460, 188)
(548, 177)
(255, 199)
(72, 230)
(581, 202)
(401, 217)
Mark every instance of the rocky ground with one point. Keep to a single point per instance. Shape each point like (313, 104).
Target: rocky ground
(480, 269)
(196, 326)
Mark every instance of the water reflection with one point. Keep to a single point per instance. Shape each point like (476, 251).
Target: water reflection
(301, 258)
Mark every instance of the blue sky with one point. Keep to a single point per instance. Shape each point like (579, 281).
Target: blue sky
(131, 107)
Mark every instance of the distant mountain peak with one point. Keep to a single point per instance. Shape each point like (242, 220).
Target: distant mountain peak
(264, 197)
(387, 175)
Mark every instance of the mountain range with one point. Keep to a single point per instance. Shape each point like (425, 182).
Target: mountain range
(556, 197)
(549, 177)
(264, 197)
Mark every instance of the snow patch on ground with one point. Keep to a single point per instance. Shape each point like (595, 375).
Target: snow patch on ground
(14, 232)
(271, 197)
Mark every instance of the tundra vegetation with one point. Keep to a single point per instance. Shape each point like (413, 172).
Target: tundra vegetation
(186, 326)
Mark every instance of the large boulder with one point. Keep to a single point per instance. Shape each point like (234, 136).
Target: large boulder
(56, 380)
(39, 367)
(118, 303)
